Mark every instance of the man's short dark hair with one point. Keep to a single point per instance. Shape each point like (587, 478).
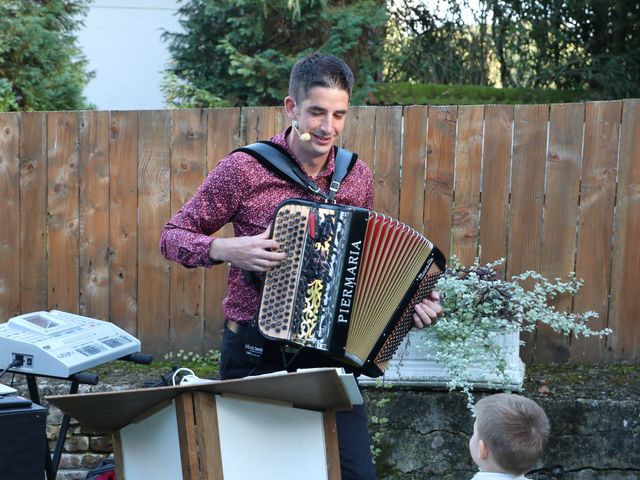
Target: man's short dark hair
(319, 70)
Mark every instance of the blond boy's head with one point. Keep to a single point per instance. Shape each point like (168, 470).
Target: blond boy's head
(510, 433)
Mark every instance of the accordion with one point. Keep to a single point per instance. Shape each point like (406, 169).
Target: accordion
(348, 285)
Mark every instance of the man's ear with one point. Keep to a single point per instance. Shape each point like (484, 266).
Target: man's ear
(484, 450)
(290, 106)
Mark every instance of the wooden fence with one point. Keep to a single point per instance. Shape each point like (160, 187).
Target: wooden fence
(555, 188)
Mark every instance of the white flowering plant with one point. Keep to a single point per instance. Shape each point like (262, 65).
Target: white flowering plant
(480, 304)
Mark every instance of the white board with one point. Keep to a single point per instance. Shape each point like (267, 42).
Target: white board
(270, 441)
(151, 447)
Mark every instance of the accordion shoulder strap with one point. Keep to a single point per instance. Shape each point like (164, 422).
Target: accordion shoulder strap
(343, 163)
(279, 161)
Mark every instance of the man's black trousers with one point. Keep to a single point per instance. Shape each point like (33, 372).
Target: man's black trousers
(353, 431)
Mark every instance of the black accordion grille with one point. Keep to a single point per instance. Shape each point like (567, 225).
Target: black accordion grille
(405, 323)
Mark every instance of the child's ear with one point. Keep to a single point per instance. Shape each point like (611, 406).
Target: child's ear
(484, 450)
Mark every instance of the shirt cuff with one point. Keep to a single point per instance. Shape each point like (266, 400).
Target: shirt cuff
(211, 261)
(196, 254)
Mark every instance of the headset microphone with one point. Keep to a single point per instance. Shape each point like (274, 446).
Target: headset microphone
(304, 137)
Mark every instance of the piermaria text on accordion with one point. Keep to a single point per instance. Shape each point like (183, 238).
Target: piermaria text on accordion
(346, 298)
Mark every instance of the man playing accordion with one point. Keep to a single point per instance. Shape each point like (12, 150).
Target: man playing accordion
(242, 191)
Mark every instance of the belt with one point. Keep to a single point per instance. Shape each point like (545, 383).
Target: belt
(235, 327)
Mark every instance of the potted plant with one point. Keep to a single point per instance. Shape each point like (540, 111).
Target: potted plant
(476, 343)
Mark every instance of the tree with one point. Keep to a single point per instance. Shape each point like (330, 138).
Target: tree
(589, 45)
(41, 66)
(240, 52)
(431, 43)
(579, 44)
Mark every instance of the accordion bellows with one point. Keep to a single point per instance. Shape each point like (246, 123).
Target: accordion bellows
(349, 283)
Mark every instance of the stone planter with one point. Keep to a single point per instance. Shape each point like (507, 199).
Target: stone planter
(410, 366)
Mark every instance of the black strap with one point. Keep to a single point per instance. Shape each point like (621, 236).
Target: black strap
(278, 160)
(342, 165)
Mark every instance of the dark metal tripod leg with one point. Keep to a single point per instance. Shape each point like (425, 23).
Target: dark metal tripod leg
(35, 398)
(62, 435)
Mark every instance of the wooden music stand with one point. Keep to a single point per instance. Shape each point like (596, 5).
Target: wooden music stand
(271, 426)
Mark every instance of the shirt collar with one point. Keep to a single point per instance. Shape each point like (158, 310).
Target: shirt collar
(493, 475)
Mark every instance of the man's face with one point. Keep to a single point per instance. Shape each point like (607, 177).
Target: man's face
(322, 115)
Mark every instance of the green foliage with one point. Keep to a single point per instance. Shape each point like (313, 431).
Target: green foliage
(180, 94)
(41, 66)
(8, 102)
(242, 51)
(377, 426)
(204, 366)
(584, 45)
(592, 44)
(480, 305)
(430, 43)
(432, 94)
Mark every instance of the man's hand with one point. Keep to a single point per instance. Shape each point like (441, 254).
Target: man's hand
(255, 254)
(427, 311)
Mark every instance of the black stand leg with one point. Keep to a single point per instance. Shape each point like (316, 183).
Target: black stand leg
(35, 398)
(51, 464)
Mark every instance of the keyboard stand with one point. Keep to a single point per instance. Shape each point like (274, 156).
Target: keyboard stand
(51, 463)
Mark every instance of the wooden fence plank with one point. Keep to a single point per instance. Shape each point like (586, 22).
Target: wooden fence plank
(154, 204)
(414, 163)
(527, 188)
(188, 169)
(564, 164)
(466, 212)
(530, 126)
(62, 207)
(496, 170)
(10, 216)
(438, 198)
(388, 144)
(94, 214)
(595, 227)
(123, 233)
(281, 121)
(359, 134)
(625, 301)
(260, 123)
(220, 141)
(33, 212)
(255, 120)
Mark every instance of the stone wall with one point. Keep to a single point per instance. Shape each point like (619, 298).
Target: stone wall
(423, 434)
(594, 414)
